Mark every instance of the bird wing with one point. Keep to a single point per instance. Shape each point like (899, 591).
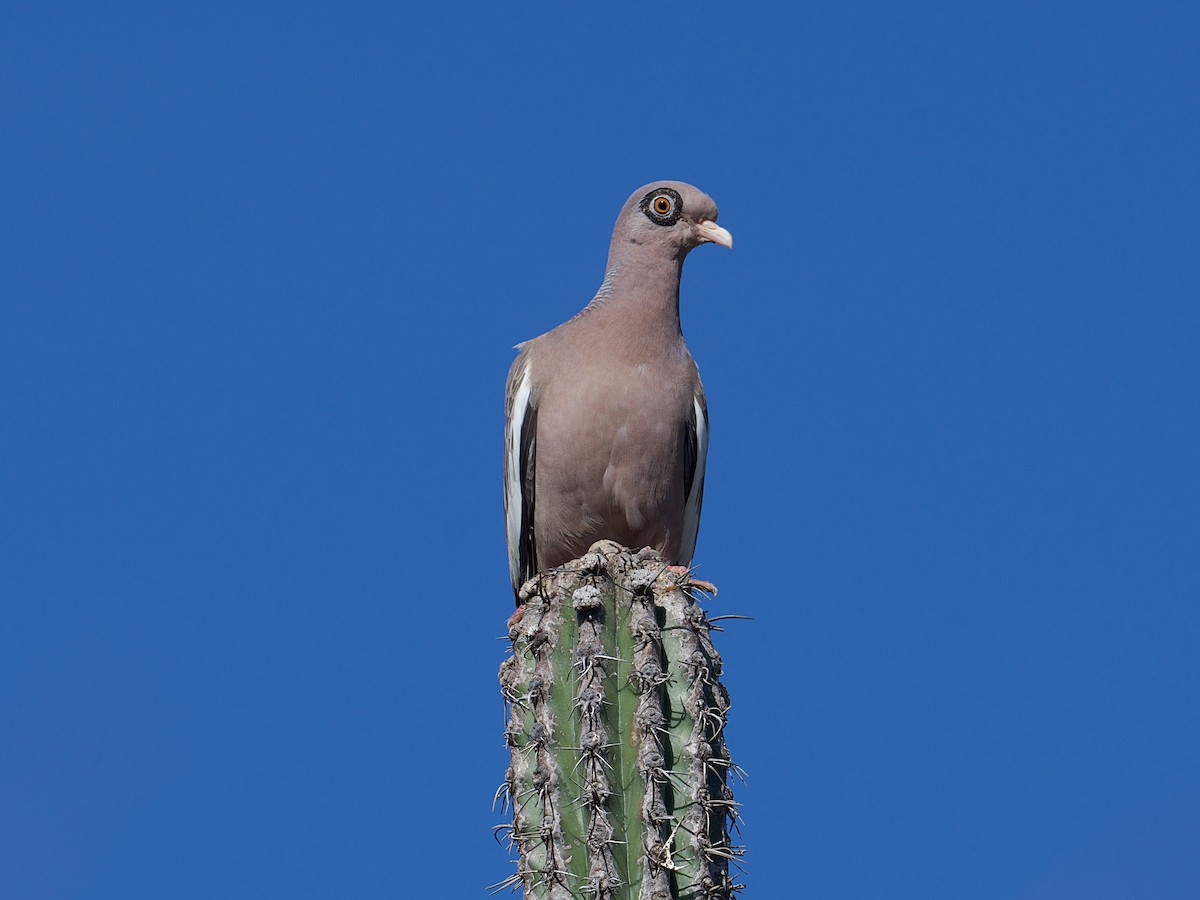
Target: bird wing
(696, 449)
(520, 443)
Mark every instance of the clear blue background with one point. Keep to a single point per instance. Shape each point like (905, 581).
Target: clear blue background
(262, 266)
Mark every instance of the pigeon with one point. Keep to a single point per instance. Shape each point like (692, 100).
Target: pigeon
(606, 421)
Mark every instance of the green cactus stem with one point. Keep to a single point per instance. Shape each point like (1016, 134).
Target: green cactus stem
(616, 721)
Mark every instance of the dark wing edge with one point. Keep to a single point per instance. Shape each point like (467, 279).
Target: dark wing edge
(696, 452)
(520, 444)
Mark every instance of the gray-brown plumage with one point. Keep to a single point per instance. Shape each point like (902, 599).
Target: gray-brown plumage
(607, 428)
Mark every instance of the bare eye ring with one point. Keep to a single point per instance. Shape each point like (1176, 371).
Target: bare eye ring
(663, 206)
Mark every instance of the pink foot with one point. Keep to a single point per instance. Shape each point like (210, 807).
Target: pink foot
(682, 571)
(515, 618)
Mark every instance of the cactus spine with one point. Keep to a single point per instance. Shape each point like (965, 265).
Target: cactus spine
(616, 720)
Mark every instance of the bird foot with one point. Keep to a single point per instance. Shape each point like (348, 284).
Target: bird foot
(515, 618)
(682, 571)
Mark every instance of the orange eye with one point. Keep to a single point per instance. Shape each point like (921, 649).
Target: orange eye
(663, 206)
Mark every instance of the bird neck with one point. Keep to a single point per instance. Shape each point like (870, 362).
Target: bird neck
(643, 294)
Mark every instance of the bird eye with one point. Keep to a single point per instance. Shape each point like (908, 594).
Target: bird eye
(663, 206)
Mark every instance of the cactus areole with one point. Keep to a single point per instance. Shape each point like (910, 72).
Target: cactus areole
(616, 719)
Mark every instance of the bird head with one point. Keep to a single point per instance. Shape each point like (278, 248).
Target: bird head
(670, 217)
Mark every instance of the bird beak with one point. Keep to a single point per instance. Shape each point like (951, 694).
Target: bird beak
(711, 231)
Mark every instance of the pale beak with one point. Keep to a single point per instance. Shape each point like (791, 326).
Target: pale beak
(711, 231)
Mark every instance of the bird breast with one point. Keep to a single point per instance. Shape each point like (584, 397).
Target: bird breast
(609, 428)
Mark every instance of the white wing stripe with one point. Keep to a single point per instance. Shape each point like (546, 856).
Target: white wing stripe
(691, 509)
(513, 476)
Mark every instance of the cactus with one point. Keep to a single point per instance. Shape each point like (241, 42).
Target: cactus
(616, 718)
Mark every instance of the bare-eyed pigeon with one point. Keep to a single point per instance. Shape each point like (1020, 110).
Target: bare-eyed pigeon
(607, 427)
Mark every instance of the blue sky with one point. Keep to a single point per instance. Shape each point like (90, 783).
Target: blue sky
(262, 268)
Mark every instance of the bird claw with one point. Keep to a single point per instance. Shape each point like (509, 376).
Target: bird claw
(687, 580)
